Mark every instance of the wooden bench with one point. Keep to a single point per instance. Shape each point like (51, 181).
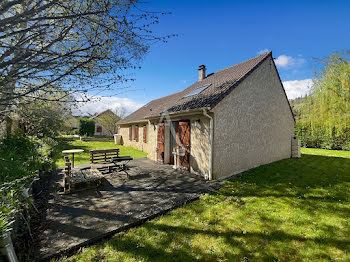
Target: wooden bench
(77, 180)
(101, 158)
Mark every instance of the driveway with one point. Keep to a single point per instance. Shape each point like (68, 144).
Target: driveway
(82, 218)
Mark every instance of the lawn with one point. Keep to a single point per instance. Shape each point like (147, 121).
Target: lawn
(325, 152)
(84, 158)
(290, 210)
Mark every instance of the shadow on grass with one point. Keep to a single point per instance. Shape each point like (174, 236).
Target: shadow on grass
(295, 177)
(235, 243)
(308, 219)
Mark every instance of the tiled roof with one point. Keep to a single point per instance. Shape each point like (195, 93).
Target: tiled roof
(106, 112)
(221, 83)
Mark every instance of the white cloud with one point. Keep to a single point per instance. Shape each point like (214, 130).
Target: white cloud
(288, 61)
(297, 88)
(99, 104)
(262, 51)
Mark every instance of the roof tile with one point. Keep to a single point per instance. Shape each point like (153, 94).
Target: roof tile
(221, 83)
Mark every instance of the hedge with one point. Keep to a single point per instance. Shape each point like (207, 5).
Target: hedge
(86, 127)
(320, 138)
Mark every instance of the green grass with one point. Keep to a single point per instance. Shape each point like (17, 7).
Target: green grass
(84, 158)
(290, 210)
(325, 152)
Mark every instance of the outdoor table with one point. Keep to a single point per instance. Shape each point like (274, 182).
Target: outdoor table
(72, 151)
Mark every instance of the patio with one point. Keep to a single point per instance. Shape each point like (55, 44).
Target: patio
(82, 218)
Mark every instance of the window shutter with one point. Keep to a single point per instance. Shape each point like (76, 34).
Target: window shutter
(130, 133)
(137, 133)
(145, 134)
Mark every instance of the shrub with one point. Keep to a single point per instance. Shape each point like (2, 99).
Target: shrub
(21, 156)
(86, 127)
(316, 136)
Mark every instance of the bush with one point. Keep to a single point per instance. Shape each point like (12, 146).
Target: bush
(86, 127)
(21, 156)
(320, 138)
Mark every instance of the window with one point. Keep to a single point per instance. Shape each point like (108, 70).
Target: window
(145, 134)
(130, 133)
(98, 129)
(197, 90)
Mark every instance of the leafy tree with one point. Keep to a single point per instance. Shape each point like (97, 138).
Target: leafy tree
(72, 45)
(109, 119)
(43, 119)
(86, 127)
(329, 102)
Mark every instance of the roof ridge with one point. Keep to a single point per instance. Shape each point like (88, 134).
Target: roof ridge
(229, 67)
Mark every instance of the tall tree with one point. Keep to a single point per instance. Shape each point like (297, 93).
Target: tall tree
(75, 45)
(42, 119)
(329, 102)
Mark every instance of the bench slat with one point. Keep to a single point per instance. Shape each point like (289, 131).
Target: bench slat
(96, 151)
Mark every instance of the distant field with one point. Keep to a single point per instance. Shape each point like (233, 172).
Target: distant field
(325, 152)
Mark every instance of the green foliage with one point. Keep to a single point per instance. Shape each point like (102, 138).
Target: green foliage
(329, 102)
(317, 136)
(42, 119)
(325, 113)
(86, 127)
(21, 156)
(5, 214)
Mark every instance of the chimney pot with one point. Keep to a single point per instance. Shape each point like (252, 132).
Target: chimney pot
(201, 72)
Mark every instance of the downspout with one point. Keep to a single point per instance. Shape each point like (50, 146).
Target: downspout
(211, 130)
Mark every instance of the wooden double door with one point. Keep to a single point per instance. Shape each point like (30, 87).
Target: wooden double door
(182, 135)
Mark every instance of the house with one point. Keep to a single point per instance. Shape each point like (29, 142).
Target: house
(228, 121)
(105, 123)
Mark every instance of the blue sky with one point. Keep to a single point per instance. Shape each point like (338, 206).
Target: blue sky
(222, 33)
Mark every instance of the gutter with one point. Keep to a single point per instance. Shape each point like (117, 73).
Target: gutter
(205, 113)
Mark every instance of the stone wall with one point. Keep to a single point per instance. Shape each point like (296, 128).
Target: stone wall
(151, 143)
(199, 140)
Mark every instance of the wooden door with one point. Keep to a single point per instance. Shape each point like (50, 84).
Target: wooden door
(160, 146)
(184, 134)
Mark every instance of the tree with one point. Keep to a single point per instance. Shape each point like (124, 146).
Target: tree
(86, 127)
(329, 102)
(77, 46)
(108, 119)
(42, 119)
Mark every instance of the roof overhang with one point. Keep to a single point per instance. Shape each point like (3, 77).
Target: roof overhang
(133, 122)
(179, 113)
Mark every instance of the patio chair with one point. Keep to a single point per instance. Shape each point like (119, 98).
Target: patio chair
(121, 162)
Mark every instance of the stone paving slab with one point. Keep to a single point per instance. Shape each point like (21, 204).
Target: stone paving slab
(81, 218)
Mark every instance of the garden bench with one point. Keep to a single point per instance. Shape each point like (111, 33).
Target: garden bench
(81, 179)
(101, 158)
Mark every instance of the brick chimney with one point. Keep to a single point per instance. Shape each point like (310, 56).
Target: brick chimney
(201, 71)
